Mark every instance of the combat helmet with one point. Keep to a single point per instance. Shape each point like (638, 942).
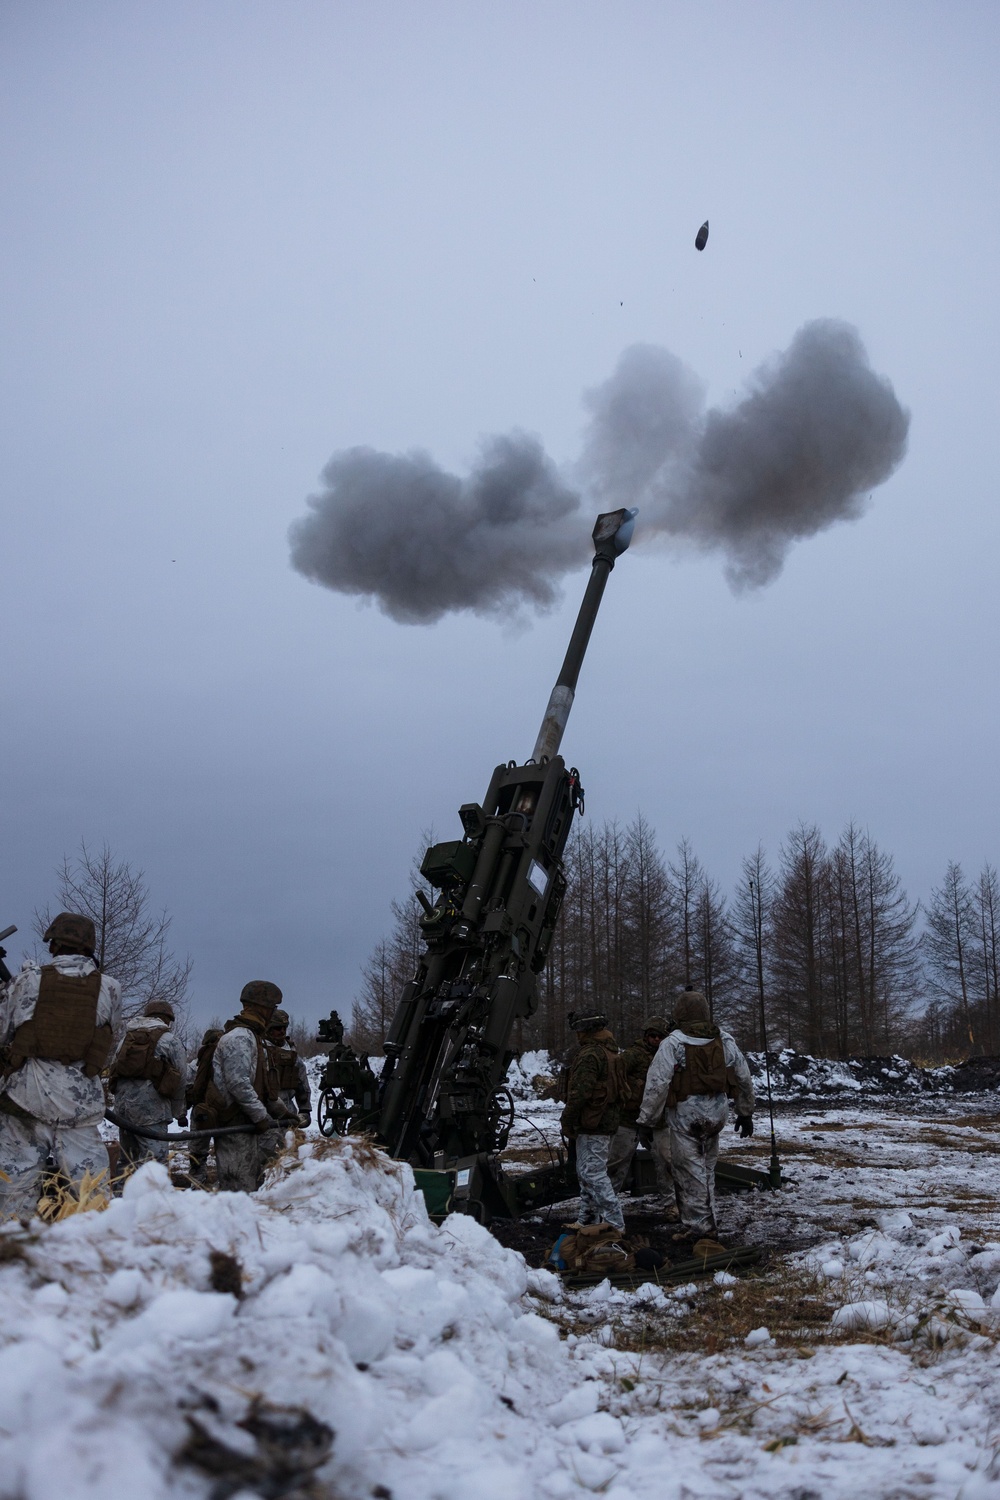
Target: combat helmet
(73, 931)
(157, 1007)
(260, 994)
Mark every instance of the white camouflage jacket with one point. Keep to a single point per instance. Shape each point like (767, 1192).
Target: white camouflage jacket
(57, 1093)
(234, 1068)
(670, 1054)
(139, 1099)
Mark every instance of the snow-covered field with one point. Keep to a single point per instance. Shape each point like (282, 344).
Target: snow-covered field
(370, 1353)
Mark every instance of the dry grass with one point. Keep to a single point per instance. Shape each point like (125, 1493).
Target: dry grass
(63, 1199)
(793, 1302)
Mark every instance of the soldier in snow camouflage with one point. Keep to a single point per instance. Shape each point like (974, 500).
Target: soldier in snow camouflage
(244, 1090)
(58, 1023)
(293, 1080)
(694, 1075)
(591, 1117)
(148, 1079)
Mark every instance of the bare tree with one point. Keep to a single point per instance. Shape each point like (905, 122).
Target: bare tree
(949, 946)
(390, 966)
(987, 903)
(797, 930)
(871, 948)
(686, 880)
(647, 924)
(752, 937)
(716, 968)
(131, 936)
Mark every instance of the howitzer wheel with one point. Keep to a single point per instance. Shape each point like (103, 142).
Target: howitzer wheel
(501, 1118)
(333, 1114)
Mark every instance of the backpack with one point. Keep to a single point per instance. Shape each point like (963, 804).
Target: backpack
(591, 1250)
(198, 1087)
(137, 1059)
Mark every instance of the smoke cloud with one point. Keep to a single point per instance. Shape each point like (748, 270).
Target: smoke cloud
(817, 430)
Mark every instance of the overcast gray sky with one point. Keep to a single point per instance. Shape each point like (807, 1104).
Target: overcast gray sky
(239, 237)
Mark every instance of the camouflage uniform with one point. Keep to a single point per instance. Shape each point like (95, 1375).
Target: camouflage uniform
(50, 1108)
(139, 1100)
(634, 1063)
(293, 1079)
(245, 1094)
(695, 1122)
(591, 1118)
(199, 1148)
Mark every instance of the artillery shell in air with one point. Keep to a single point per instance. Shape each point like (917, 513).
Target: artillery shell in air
(701, 238)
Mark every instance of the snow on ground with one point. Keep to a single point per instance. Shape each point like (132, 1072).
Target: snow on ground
(862, 1358)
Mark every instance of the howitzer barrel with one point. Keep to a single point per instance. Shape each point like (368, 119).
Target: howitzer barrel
(612, 535)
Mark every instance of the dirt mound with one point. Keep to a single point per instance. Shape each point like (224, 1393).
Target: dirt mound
(795, 1075)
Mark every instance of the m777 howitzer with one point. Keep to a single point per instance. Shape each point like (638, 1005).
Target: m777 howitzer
(444, 1107)
(443, 1103)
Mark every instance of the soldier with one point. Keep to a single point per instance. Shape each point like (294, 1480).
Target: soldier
(694, 1074)
(199, 1148)
(591, 1118)
(243, 1091)
(149, 1081)
(58, 1024)
(293, 1080)
(633, 1066)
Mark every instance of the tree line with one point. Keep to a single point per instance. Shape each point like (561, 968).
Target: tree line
(822, 950)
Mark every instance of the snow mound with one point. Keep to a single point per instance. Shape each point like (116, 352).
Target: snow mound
(121, 1366)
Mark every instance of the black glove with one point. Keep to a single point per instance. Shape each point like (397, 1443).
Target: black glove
(570, 1123)
(278, 1109)
(303, 1118)
(644, 1136)
(263, 1126)
(744, 1124)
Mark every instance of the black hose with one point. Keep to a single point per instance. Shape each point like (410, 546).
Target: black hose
(150, 1133)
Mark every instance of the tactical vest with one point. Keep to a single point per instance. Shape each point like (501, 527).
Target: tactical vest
(64, 1025)
(606, 1089)
(137, 1059)
(265, 1085)
(283, 1060)
(703, 1071)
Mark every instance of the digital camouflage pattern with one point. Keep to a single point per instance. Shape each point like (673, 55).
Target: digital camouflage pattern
(622, 1150)
(241, 1159)
(592, 1106)
(63, 1106)
(695, 1122)
(139, 1100)
(598, 1199)
(694, 1129)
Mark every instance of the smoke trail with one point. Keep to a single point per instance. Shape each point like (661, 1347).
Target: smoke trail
(816, 432)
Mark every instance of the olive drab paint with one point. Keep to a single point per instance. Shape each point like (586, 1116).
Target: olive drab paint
(487, 935)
